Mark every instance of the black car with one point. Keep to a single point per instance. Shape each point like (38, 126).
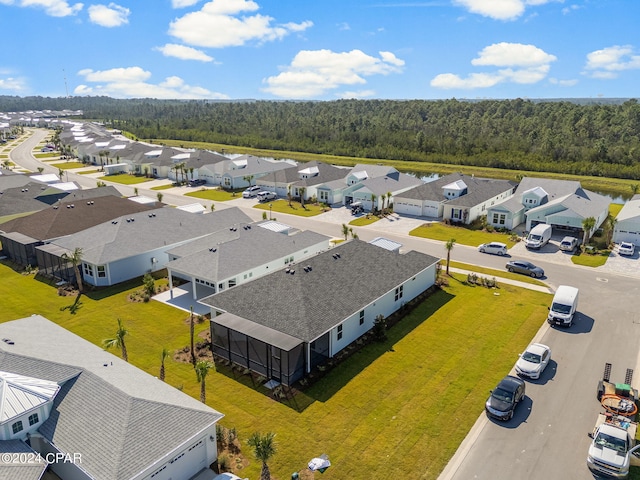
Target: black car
(197, 182)
(503, 400)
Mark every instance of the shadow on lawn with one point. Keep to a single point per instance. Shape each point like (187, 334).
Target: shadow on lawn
(341, 374)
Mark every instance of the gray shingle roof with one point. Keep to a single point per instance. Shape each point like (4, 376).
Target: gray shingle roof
(14, 471)
(110, 241)
(478, 190)
(307, 304)
(239, 251)
(393, 182)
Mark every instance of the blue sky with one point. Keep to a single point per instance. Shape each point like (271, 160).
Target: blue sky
(321, 49)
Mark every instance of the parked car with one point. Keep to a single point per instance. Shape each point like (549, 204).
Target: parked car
(626, 248)
(569, 244)
(47, 149)
(495, 248)
(251, 192)
(504, 399)
(226, 476)
(533, 361)
(526, 268)
(197, 182)
(265, 196)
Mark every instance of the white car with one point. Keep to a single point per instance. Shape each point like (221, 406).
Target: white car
(495, 248)
(533, 361)
(265, 196)
(227, 476)
(251, 192)
(626, 248)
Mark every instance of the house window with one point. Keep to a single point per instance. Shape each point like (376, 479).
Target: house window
(361, 317)
(17, 427)
(399, 292)
(33, 419)
(245, 276)
(232, 282)
(102, 272)
(220, 286)
(227, 181)
(502, 220)
(155, 172)
(339, 332)
(455, 213)
(88, 269)
(324, 195)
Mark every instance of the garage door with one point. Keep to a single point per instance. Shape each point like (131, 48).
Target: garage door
(185, 464)
(627, 236)
(405, 208)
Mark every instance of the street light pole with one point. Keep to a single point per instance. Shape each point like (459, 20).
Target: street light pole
(270, 206)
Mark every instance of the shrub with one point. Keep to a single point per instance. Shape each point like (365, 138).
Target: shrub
(379, 329)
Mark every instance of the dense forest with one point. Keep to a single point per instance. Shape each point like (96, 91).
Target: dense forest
(600, 138)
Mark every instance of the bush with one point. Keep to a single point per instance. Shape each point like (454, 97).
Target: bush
(379, 329)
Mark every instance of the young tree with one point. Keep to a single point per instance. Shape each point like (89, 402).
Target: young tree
(149, 285)
(588, 224)
(449, 246)
(264, 447)
(118, 341)
(40, 169)
(345, 231)
(163, 356)
(301, 191)
(373, 203)
(160, 195)
(75, 258)
(248, 179)
(202, 370)
(191, 335)
(388, 201)
(289, 194)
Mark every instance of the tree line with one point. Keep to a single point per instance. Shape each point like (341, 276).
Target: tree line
(587, 137)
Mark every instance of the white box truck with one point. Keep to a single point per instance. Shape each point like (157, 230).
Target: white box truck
(564, 306)
(612, 447)
(539, 236)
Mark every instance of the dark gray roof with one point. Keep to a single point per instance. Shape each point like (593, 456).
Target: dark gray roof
(168, 227)
(36, 368)
(478, 190)
(239, 251)
(393, 182)
(307, 304)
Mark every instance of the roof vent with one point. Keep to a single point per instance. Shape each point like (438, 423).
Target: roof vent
(55, 207)
(88, 203)
(91, 202)
(338, 255)
(287, 270)
(292, 272)
(335, 257)
(213, 250)
(73, 206)
(309, 267)
(128, 220)
(68, 206)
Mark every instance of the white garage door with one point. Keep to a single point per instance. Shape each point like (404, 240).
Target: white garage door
(626, 236)
(405, 208)
(185, 464)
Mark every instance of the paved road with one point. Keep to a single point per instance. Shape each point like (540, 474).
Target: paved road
(547, 439)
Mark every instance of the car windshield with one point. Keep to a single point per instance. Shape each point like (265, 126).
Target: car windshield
(535, 237)
(503, 395)
(607, 441)
(561, 308)
(531, 357)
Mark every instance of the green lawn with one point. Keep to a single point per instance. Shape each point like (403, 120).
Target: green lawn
(491, 272)
(47, 155)
(293, 208)
(587, 260)
(364, 220)
(87, 172)
(68, 165)
(463, 236)
(614, 209)
(125, 179)
(163, 187)
(216, 194)
(397, 409)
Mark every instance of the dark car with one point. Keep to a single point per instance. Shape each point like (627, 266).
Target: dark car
(197, 182)
(526, 268)
(504, 399)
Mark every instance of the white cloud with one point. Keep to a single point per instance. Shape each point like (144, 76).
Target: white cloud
(525, 64)
(563, 83)
(131, 82)
(312, 73)
(183, 3)
(12, 84)
(54, 8)
(183, 52)
(608, 62)
(226, 23)
(500, 9)
(354, 94)
(111, 15)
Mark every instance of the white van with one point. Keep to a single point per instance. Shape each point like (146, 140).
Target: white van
(564, 306)
(539, 236)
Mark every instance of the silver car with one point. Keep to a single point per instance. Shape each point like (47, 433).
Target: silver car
(495, 248)
(524, 267)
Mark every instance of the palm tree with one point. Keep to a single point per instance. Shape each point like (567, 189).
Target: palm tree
(60, 173)
(611, 226)
(588, 224)
(40, 169)
(160, 195)
(191, 334)
(345, 231)
(202, 369)
(248, 179)
(118, 341)
(163, 357)
(289, 195)
(264, 447)
(302, 191)
(388, 201)
(449, 246)
(75, 258)
(373, 203)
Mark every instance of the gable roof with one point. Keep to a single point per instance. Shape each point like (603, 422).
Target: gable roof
(19, 394)
(393, 182)
(68, 217)
(305, 305)
(583, 203)
(121, 419)
(136, 233)
(238, 251)
(630, 210)
(480, 190)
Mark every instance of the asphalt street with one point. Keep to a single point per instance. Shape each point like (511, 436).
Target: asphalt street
(547, 439)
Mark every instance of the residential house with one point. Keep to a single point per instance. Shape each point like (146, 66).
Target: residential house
(305, 180)
(284, 324)
(378, 192)
(92, 416)
(245, 170)
(455, 197)
(560, 203)
(627, 225)
(333, 191)
(239, 254)
(21, 236)
(132, 245)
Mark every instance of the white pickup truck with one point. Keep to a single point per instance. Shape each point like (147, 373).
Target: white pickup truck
(613, 445)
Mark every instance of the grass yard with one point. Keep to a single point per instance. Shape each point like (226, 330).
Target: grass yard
(87, 172)
(490, 272)
(283, 206)
(364, 220)
(216, 194)
(125, 179)
(463, 236)
(587, 260)
(163, 187)
(397, 409)
(47, 155)
(68, 165)
(614, 209)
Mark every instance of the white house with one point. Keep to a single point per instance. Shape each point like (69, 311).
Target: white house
(627, 227)
(92, 416)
